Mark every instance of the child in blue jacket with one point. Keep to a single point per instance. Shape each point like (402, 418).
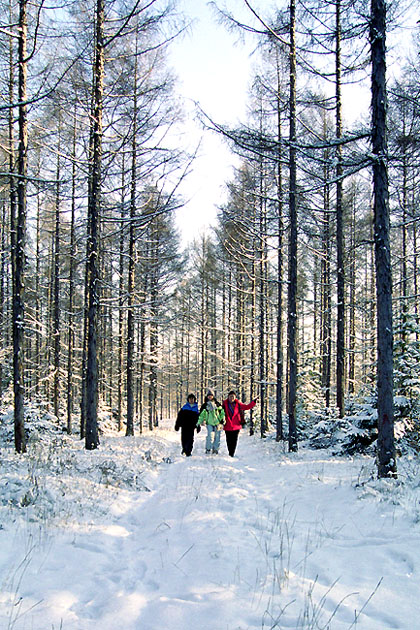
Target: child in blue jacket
(187, 422)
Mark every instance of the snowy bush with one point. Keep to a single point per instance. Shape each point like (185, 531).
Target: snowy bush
(407, 377)
(355, 433)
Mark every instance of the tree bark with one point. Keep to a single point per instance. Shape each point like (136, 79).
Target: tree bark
(131, 270)
(121, 298)
(12, 167)
(72, 254)
(386, 447)
(19, 246)
(352, 300)
(3, 267)
(56, 299)
(263, 304)
(339, 219)
(292, 275)
(91, 433)
(325, 282)
(279, 329)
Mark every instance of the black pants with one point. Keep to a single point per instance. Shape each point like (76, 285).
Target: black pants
(187, 439)
(231, 441)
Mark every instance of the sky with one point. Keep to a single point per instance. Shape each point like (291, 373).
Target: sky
(213, 69)
(133, 535)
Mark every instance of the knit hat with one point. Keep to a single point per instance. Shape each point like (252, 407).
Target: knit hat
(210, 392)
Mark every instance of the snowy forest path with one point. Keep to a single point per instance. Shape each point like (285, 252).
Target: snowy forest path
(239, 541)
(266, 539)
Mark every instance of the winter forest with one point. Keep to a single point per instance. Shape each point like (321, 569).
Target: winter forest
(303, 295)
(289, 298)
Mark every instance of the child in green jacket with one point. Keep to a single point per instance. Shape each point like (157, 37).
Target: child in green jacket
(212, 415)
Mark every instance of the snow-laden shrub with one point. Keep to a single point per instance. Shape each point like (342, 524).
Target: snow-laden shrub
(407, 377)
(355, 433)
(325, 429)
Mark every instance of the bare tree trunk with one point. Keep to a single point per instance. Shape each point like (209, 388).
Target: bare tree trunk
(109, 346)
(415, 267)
(292, 276)
(279, 355)
(262, 305)
(12, 164)
(339, 218)
(252, 357)
(142, 346)
(213, 334)
(131, 270)
(386, 447)
(373, 312)
(91, 434)
(404, 281)
(153, 418)
(56, 300)
(38, 306)
(19, 246)
(325, 284)
(121, 302)
(84, 353)
(12, 167)
(352, 301)
(71, 283)
(3, 267)
(239, 329)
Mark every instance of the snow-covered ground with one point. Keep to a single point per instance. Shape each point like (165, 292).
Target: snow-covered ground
(134, 536)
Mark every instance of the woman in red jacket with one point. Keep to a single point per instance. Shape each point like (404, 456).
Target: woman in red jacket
(234, 419)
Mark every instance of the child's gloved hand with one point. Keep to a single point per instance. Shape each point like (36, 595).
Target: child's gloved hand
(220, 426)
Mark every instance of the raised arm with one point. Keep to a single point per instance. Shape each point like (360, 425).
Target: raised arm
(245, 407)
